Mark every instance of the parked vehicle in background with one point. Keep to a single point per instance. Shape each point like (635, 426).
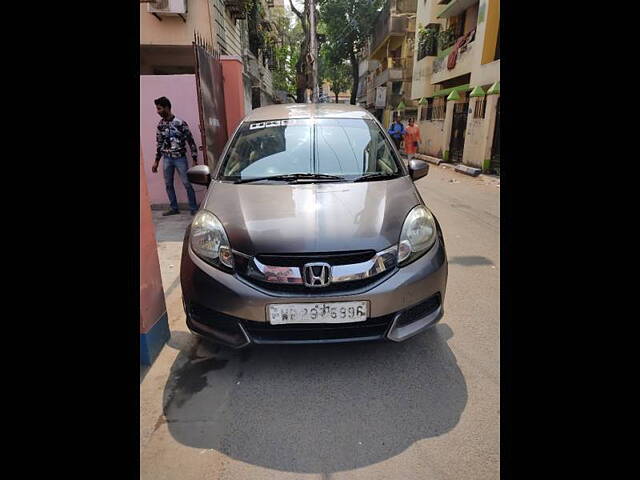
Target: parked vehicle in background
(312, 231)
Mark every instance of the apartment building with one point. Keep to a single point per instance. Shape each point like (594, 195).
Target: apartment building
(456, 80)
(386, 65)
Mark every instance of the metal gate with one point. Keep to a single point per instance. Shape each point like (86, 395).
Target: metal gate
(458, 129)
(213, 123)
(495, 146)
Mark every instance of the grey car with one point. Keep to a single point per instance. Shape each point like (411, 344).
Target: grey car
(312, 231)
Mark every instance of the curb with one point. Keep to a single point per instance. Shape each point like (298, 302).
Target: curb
(427, 158)
(474, 172)
(451, 166)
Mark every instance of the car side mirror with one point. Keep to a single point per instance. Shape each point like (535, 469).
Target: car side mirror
(418, 168)
(199, 174)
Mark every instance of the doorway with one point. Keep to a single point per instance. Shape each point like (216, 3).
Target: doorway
(458, 130)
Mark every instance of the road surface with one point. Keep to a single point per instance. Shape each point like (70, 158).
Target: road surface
(424, 409)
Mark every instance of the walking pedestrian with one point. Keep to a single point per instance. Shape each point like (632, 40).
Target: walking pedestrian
(397, 131)
(412, 139)
(172, 137)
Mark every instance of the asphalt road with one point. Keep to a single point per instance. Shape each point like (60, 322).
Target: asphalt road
(424, 409)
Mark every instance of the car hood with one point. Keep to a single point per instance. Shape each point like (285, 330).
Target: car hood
(319, 217)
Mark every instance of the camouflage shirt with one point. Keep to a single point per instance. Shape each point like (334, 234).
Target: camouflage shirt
(172, 137)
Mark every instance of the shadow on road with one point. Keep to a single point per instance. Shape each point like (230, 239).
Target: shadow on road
(470, 261)
(314, 409)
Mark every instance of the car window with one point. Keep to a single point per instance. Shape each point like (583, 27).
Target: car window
(344, 147)
(270, 148)
(352, 147)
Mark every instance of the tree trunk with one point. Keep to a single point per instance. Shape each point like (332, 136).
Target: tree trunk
(302, 67)
(354, 75)
(337, 98)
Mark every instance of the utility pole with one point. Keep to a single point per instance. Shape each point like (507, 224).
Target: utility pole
(313, 45)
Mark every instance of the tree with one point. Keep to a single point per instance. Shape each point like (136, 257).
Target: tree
(334, 71)
(348, 24)
(303, 67)
(285, 40)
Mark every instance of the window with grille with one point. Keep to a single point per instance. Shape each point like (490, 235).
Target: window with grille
(423, 113)
(439, 108)
(478, 111)
(426, 112)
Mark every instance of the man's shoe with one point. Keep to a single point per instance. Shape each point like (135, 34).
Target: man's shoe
(170, 212)
(193, 212)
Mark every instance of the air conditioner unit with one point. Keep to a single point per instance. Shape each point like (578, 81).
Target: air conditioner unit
(168, 7)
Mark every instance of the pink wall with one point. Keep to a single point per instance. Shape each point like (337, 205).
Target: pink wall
(152, 304)
(181, 90)
(233, 91)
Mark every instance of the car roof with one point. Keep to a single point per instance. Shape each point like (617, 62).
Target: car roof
(307, 110)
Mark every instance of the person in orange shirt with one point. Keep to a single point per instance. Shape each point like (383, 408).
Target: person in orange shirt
(411, 139)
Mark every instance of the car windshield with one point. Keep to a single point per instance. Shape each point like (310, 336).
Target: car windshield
(344, 148)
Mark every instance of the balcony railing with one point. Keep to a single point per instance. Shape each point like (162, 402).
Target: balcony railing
(237, 8)
(394, 69)
(388, 75)
(406, 6)
(371, 96)
(463, 63)
(386, 25)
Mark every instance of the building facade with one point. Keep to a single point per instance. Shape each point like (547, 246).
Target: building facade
(167, 29)
(456, 81)
(386, 64)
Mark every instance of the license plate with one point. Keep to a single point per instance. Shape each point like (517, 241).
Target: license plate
(334, 312)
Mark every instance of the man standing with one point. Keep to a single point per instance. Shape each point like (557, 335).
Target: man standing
(411, 139)
(172, 136)
(397, 131)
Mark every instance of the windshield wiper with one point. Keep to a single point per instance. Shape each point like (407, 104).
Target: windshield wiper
(375, 176)
(293, 176)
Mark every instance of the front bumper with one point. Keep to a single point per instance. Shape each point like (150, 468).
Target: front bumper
(226, 309)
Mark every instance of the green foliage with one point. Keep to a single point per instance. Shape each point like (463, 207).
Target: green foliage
(284, 43)
(427, 42)
(256, 35)
(446, 38)
(348, 24)
(335, 71)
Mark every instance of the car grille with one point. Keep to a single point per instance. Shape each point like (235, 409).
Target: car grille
(371, 329)
(262, 332)
(419, 311)
(299, 260)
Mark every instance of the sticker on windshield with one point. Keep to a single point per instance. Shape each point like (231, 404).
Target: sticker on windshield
(278, 123)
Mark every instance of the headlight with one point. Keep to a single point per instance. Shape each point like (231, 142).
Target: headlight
(209, 240)
(418, 235)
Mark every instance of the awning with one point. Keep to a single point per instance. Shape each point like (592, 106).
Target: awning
(477, 92)
(454, 95)
(495, 89)
(447, 91)
(456, 7)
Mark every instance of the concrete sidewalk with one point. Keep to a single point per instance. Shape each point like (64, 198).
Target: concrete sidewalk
(457, 167)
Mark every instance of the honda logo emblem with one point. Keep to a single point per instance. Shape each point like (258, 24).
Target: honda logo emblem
(317, 274)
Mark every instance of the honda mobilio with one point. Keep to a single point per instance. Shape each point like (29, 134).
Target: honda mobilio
(312, 231)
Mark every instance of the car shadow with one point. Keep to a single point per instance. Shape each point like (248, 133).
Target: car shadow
(315, 408)
(469, 261)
